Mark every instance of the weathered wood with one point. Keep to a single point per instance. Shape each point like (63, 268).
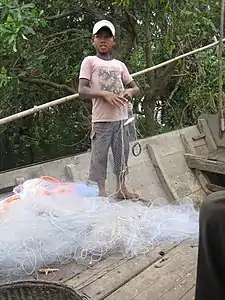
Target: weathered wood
(213, 155)
(221, 154)
(65, 272)
(102, 286)
(198, 137)
(203, 164)
(154, 282)
(92, 274)
(180, 287)
(214, 187)
(189, 148)
(163, 177)
(218, 155)
(189, 295)
(204, 128)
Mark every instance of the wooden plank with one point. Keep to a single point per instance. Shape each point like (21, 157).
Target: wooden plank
(181, 287)
(215, 187)
(198, 137)
(65, 272)
(189, 295)
(203, 127)
(96, 272)
(163, 177)
(203, 164)
(221, 154)
(213, 155)
(154, 282)
(73, 270)
(103, 284)
(189, 148)
(218, 155)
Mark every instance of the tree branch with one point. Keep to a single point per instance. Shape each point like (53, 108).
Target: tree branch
(161, 82)
(49, 83)
(66, 42)
(60, 16)
(173, 92)
(70, 30)
(148, 52)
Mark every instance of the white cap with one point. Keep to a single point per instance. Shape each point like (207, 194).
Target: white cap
(104, 23)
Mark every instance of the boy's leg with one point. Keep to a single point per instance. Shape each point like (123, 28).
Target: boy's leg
(120, 150)
(100, 143)
(210, 283)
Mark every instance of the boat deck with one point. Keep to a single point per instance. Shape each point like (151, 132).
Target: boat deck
(165, 273)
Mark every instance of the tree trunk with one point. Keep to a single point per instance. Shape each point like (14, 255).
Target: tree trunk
(153, 93)
(149, 108)
(149, 101)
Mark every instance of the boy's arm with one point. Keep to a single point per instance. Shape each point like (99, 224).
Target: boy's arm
(131, 90)
(85, 92)
(84, 81)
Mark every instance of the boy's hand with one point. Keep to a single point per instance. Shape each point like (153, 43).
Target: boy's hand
(128, 94)
(113, 99)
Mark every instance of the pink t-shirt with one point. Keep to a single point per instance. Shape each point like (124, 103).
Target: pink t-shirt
(106, 75)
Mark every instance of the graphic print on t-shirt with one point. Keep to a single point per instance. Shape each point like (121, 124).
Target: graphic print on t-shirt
(110, 79)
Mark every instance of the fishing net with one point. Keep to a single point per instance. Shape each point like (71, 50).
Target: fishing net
(112, 143)
(46, 222)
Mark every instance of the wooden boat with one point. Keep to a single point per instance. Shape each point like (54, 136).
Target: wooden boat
(185, 163)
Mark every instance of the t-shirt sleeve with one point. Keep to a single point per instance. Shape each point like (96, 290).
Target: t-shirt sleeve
(85, 69)
(126, 77)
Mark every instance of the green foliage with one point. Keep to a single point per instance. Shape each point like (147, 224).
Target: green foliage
(198, 92)
(18, 22)
(43, 44)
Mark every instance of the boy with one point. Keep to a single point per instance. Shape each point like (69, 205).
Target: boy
(104, 79)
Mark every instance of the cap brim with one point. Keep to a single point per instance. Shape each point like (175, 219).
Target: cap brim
(96, 30)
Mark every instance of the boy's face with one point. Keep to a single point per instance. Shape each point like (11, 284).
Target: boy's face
(103, 41)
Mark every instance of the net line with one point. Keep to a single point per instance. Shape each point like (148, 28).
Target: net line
(50, 229)
(119, 138)
(50, 223)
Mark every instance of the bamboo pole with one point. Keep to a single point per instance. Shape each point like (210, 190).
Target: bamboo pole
(220, 70)
(41, 107)
(36, 109)
(176, 58)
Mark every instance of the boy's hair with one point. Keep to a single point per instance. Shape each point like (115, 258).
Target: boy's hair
(104, 23)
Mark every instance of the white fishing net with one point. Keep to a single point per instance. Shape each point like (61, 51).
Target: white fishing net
(118, 138)
(46, 222)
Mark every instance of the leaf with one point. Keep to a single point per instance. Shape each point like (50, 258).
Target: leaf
(14, 47)
(23, 73)
(41, 57)
(29, 5)
(5, 30)
(12, 39)
(24, 37)
(9, 19)
(30, 30)
(4, 13)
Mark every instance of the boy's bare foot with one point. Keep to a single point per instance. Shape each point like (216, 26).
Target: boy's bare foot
(126, 195)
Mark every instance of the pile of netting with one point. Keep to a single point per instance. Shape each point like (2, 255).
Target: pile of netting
(46, 222)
